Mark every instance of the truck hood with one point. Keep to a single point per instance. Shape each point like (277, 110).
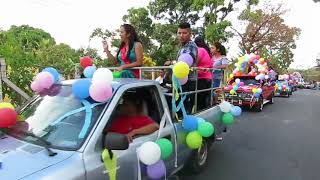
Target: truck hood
(245, 88)
(19, 159)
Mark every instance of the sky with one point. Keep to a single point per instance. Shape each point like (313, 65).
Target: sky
(72, 21)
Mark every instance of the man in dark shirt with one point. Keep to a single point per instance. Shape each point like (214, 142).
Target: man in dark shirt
(184, 34)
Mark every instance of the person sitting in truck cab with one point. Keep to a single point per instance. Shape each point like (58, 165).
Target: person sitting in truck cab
(129, 119)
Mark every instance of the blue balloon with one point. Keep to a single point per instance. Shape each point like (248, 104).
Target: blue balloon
(54, 73)
(200, 120)
(235, 88)
(81, 88)
(236, 111)
(190, 123)
(257, 95)
(88, 71)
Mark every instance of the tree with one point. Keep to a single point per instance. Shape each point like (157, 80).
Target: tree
(18, 46)
(267, 32)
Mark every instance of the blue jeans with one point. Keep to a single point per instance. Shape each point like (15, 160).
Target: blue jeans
(216, 83)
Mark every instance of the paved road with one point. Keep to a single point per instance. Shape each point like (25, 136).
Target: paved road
(280, 143)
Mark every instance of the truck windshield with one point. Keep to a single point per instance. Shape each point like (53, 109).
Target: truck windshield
(62, 120)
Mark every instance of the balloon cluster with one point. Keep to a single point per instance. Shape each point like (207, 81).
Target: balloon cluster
(197, 128)
(45, 80)
(99, 88)
(284, 77)
(152, 154)
(89, 68)
(251, 59)
(256, 92)
(8, 116)
(230, 112)
(182, 67)
(281, 87)
(236, 85)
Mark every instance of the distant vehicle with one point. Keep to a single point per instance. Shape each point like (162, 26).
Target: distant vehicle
(283, 89)
(244, 95)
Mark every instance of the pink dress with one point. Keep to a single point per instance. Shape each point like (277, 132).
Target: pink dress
(204, 62)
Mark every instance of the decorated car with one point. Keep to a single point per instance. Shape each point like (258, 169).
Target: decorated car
(282, 88)
(245, 90)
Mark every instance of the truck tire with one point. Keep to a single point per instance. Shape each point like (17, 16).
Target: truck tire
(271, 101)
(288, 95)
(198, 159)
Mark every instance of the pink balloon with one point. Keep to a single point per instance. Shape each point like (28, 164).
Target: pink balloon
(241, 83)
(45, 79)
(183, 81)
(36, 86)
(257, 57)
(100, 91)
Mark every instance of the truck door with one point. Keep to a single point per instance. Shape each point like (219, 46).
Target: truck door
(127, 161)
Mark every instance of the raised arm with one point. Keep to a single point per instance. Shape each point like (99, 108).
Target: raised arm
(106, 50)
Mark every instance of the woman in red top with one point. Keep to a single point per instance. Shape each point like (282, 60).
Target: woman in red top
(130, 53)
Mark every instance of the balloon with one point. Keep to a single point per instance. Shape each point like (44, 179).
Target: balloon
(236, 111)
(231, 76)
(187, 58)
(183, 81)
(166, 147)
(232, 91)
(6, 105)
(257, 95)
(45, 79)
(266, 77)
(235, 88)
(81, 88)
(181, 70)
(86, 61)
(157, 170)
(100, 91)
(36, 86)
(259, 90)
(194, 140)
(227, 118)
(241, 83)
(190, 123)
(237, 81)
(89, 71)
(53, 72)
(54, 90)
(8, 117)
(200, 120)
(149, 153)
(205, 129)
(254, 90)
(225, 106)
(102, 75)
(116, 74)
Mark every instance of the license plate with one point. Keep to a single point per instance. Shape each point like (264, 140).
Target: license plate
(240, 102)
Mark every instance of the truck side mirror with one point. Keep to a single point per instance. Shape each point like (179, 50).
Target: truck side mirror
(115, 141)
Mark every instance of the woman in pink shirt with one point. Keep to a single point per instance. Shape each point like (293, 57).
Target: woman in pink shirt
(204, 60)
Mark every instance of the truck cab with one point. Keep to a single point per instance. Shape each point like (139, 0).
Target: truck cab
(62, 136)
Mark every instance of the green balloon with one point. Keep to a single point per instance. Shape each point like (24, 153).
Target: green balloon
(116, 74)
(205, 129)
(165, 147)
(227, 118)
(194, 140)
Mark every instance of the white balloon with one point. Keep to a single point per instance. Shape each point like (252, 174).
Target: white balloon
(237, 81)
(149, 153)
(225, 106)
(102, 75)
(266, 77)
(257, 77)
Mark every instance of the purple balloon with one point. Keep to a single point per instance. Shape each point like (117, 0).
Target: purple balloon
(157, 170)
(187, 58)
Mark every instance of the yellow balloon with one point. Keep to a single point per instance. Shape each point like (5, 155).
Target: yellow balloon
(181, 70)
(233, 92)
(231, 76)
(6, 105)
(254, 90)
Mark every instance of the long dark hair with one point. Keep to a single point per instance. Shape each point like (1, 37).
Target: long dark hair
(201, 43)
(132, 38)
(220, 48)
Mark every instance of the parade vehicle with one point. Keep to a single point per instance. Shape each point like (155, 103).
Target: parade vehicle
(283, 88)
(62, 136)
(251, 92)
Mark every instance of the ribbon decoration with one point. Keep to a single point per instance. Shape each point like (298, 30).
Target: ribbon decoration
(110, 164)
(177, 86)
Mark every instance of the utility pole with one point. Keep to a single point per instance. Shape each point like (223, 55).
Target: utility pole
(1, 94)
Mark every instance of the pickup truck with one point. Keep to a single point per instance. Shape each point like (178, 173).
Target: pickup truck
(244, 95)
(40, 147)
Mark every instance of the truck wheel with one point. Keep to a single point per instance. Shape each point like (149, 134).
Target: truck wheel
(198, 158)
(288, 95)
(271, 99)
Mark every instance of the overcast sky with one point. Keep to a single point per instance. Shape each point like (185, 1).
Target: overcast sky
(72, 21)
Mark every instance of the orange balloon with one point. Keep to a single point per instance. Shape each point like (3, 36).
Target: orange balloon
(238, 74)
